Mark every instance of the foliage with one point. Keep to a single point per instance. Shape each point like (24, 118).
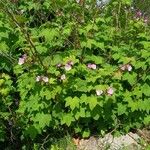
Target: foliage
(75, 67)
(143, 5)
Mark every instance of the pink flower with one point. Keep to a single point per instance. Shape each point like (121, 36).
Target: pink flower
(45, 79)
(129, 67)
(99, 92)
(63, 77)
(110, 91)
(126, 67)
(123, 67)
(59, 65)
(38, 78)
(91, 66)
(22, 59)
(42, 78)
(68, 67)
(138, 14)
(70, 63)
(24, 56)
(145, 20)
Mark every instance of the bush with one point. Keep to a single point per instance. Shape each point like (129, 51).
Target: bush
(72, 67)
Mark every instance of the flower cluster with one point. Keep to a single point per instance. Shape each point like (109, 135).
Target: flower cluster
(109, 91)
(22, 59)
(42, 78)
(139, 15)
(68, 66)
(127, 67)
(91, 66)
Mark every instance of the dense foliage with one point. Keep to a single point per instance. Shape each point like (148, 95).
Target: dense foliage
(71, 67)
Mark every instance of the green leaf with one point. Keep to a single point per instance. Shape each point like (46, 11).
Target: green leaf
(146, 89)
(21, 19)
(145, 54)
(80, 85)
(127, 2)
(83, 99)
(138, 92)
(121, 109)
(147, 120)
(67, 119)
(31, 131)
(4, 48)
(116, 56)
(91, 26)
(2, 135)
(41, 50)
(92, 102)
(42, 119)
(131, 78)
(144, 105)
(80, 113)
(139, 64)
(86, 133)
(97, 112)
(72, 102)
(49, 34)
(93, 58)
(77, 129)
(133, 105)
(146, 44)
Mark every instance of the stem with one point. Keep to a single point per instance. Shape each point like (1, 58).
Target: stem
(35, 50)
(119, 26)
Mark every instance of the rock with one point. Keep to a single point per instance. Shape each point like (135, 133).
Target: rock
(90, 144)
(128, 142)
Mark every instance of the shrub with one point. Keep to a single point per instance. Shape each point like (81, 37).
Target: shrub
(74, 67)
